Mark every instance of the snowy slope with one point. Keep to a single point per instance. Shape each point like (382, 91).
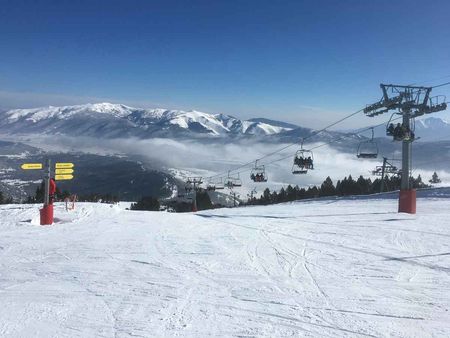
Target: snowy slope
(327, 268)
(113, 120)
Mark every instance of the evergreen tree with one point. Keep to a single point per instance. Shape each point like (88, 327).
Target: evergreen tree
(291, 193)
(266, 197)
(435, 178)
(282, 196)
(146, 203)
(327, 188)
(364, 185)
(203, 201)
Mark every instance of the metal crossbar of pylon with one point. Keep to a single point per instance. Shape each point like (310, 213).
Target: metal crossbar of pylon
(409, 102)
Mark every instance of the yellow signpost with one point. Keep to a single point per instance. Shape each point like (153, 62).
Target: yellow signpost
(63, 177)
(63, 171)
(31, 166)
(64, 165)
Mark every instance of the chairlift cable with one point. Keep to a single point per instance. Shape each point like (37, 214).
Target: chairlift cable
(314, 133)
(359, 131)
(310, 136)
(441, 85)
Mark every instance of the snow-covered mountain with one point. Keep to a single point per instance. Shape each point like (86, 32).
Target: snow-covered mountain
(433, 129)
(117, 120)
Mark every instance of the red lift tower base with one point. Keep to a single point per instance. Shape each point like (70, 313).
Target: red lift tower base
(407, 201)
(47, 214)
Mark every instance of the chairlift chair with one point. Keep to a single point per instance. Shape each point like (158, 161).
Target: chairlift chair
(214, 185)
(258, 173)
(303, 161)
(219, 184)
(405, 135)
(233, 181)
(368, 149)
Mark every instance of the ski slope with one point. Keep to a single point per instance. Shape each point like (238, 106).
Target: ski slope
(325, 268)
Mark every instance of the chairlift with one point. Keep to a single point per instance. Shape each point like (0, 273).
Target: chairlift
(214, 185)
(258, 173)
(389, 169)
(303, 161)
(398, 132)
(219, 184)
(233, 181)
(188, 187)
(368, 149)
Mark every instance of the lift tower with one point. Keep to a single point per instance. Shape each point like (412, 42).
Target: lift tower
(195, 181)
(408, 102)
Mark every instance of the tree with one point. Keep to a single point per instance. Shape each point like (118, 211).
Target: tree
(327, 188)
(435, 179)
(364, 185)
(266, 197)
(203, 200)
(146, 203)
(291, 193)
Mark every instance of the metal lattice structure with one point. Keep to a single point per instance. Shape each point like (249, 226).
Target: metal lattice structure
(408, 102)
(195, 183)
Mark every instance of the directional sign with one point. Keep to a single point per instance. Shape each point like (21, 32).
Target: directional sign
(63, 177)
(63, 171)
(64, 165)
(31, 166)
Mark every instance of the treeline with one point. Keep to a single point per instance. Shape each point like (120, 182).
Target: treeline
(4, 199)
(346, 187)
(38, 196)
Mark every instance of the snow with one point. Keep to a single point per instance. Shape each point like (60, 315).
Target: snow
(214, 124)
(324, 268)
(38, 114)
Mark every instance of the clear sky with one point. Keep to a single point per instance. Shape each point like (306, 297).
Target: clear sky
(307, 62)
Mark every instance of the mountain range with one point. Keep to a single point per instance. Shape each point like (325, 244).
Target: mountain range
(107, 120)
(116, 120)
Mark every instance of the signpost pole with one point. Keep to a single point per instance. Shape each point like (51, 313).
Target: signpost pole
(46, 213)
(47, 183)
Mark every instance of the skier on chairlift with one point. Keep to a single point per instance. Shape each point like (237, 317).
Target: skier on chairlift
(390, 130)
(398, 132)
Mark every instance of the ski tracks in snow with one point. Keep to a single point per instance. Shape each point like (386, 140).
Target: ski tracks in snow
(293, 269)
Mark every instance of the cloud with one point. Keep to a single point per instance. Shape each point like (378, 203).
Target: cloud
(206, 159)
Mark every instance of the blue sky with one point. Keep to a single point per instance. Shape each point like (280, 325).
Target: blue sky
(306, 62)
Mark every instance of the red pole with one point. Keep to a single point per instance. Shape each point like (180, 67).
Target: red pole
(46, 213)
